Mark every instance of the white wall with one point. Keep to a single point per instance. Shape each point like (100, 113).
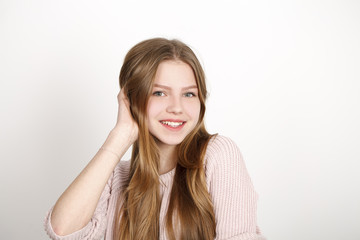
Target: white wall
(283, 79)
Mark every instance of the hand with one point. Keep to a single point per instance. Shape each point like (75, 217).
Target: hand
(125, 122)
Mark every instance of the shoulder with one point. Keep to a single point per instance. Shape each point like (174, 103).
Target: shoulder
(221, 148)
(220, 143)
(223, 158)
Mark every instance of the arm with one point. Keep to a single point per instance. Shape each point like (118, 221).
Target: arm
(75, 207)
(96, 227)
(232, 192)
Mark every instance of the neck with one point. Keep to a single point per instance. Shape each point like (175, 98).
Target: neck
(168, 158)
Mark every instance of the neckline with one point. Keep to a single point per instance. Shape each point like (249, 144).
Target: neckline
(167, 177)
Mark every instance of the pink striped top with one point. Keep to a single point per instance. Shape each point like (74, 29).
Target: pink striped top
(229, 185)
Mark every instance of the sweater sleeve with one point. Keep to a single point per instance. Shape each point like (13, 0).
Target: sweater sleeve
(96, 227)
(232, 192)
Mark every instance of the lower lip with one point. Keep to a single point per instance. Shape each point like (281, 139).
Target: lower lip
(178, 128)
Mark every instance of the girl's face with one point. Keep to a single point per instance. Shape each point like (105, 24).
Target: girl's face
(174, 106)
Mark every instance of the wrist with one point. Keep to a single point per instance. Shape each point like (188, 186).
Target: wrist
(111, 151)
(117, 142)
(129, 132)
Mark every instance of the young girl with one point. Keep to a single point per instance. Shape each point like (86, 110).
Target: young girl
(181, 182)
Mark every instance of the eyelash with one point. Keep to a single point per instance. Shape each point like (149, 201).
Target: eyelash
(193, 94)
(156, 93)
(159, 94)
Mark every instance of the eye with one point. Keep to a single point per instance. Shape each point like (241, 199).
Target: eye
(189, 94)
(159, 94)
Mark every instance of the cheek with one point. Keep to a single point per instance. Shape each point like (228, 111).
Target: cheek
(193, 109)
(154, 108)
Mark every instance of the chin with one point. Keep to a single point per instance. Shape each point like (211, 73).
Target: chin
(169, 140)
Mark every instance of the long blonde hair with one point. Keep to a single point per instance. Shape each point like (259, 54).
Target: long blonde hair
(138, 208)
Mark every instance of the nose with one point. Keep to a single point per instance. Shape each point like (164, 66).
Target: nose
(174, 105)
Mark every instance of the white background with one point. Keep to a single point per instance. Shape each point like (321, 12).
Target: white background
(283, 78)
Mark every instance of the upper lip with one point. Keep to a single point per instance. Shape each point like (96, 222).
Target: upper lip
(172, 120)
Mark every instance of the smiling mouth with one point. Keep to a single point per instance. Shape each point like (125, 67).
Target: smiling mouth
(172, 124)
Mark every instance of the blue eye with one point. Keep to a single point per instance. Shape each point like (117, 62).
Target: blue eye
(189, 94)
(159, 94)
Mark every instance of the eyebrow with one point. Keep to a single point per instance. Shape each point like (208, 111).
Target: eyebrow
(166, 87)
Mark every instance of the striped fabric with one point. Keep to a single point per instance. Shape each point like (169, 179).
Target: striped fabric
(229, 185)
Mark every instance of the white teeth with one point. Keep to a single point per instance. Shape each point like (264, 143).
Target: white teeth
(172, 124)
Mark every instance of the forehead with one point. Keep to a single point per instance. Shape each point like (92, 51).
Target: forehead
(174, 73)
